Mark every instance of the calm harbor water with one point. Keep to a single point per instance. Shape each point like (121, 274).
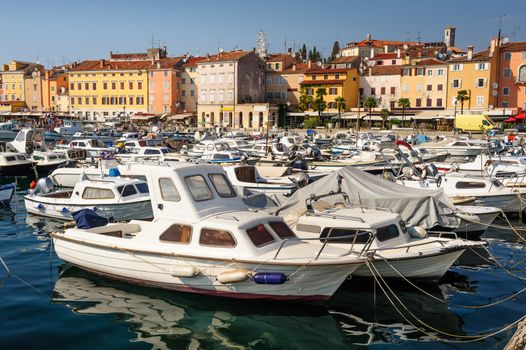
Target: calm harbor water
(46, 305)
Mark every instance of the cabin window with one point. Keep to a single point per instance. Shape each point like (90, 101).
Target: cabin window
(142, 143)
(142, 187)
(282, 229)
(97, 193)
(216, 238)
(38, 157)
(177, 234)
(198, 188)
(20, 157)
(222, 185)
(470, 184)
(349, 234)
(387, 232)
(10, 158)
(168, 191)
(151, 151)
(259, 235)
(128, 190)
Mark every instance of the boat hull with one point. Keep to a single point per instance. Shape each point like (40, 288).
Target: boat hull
(6, 193)
(307, 283)
(427, 268)
(119, 212)
(24, 169)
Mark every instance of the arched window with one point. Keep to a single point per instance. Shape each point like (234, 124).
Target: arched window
(522, 73)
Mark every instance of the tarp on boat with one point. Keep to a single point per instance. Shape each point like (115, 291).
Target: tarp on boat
(87, 218)
(427, 208)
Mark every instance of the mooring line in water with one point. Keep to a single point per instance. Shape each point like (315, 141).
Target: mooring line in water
(498, 264)
(10, 273)
(464, 338)
(509, 227)
(445, 302)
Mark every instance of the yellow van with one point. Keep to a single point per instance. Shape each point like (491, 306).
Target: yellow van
(473, 123)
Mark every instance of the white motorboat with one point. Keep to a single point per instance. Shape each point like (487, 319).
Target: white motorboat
(458, 149)
(94, 148)
(119, 198)
(204, 240)
(82, 135)
(15, 164)
(487, 192)
(382, 236)
(45, 162)
(9, 130)
(248, 180)
(6, 193)
(484, 165)
(69, 127)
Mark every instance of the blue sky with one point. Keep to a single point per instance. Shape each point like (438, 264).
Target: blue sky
(57, 30)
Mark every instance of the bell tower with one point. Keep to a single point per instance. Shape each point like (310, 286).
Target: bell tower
(449, 36)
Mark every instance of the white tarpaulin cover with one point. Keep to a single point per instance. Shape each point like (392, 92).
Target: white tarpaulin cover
(416, 207)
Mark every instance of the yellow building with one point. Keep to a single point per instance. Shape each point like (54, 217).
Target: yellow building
(104, 88)
(338, 82)
(475, 74)
(13, 76)
(424, 83)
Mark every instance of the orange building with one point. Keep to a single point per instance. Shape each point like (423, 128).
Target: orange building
(511, 81)
(164, 83)
(55, 82)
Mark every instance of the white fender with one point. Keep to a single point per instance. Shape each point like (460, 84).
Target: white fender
(183, 271)
(232, 276)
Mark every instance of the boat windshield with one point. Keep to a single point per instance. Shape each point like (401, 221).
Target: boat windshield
(198, 188)
(351, 235)
(223, 146)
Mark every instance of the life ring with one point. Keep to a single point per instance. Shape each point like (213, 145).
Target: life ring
(423, 172)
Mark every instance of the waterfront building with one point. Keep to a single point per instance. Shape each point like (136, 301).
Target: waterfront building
(473, 73)
(338, 82)
(511, 76)
(424, 83)
(33, 91)
(13, 76)
(54, 82)
(188, 91)
(164, 80)
(383, 83)
(370, 47)
(346, 62)
(232, 90)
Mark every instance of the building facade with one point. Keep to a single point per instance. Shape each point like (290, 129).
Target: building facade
(232, 90)
(511, 79)
(164, 85)
(424, 83)
(55, 82)
(383, 83)
(475, 74)
(188, 91)
(338, 82)
(13, 76)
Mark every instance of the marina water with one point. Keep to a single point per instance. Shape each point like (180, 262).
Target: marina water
(47, 305)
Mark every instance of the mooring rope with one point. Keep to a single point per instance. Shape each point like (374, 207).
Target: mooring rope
(464, 338)
(21, 280)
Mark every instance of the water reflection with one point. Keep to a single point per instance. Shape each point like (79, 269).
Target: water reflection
(367, 317)
(167, 320)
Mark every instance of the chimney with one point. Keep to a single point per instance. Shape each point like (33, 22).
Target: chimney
(208, 57)
(158, 65)
(152, 60)
(493, 45)
(294, 66)
(398, 53)
(372, 52)
(368, 37)
(102, 63)
(470, 52)
(309, 63)
(289, 50)
(111, 54)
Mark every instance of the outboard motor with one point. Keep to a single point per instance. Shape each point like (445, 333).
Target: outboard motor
(44, 185)
(300, 164)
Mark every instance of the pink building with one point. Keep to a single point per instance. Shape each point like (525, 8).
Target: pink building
(164, 85)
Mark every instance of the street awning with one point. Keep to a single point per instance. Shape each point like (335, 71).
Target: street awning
(427, 115)
(181, 116)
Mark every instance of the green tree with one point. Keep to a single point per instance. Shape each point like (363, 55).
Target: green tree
(340, 104)
(403, 103)
(370, 103)
(335, 51)
(305, 98)
(319, 103)
(384, 113)
(462, 95)
(303, 52)
(312, 122)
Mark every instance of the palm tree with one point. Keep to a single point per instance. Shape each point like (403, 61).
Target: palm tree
(384, 113)
(370, 103)
(462, 95)
(340, 104)
(403, 103)
(319, 103)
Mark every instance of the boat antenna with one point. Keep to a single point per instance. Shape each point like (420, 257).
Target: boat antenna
(360, 202)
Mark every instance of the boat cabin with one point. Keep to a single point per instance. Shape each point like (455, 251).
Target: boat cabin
(28, 140)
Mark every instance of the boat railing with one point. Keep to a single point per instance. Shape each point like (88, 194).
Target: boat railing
(329, 239)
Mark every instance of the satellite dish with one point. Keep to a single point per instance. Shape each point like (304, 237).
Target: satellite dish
(495, 85)
(406, 47)
(505, 40)
(494, 93)
(490, 107)
(318, 63)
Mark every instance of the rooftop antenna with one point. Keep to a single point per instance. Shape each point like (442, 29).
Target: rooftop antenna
(63, 59)
(418, 36)
(515, 32)
(293, 45)
(285, 44)
(152, 42)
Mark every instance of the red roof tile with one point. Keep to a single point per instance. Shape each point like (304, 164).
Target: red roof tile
(380, 43)
(328, 70)
(99, 65)
(384, 56)
(516, 46)
(192, 61)
(278, 57)
(345, 59)
(225, 56)
(386, 70)
(477, 56)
